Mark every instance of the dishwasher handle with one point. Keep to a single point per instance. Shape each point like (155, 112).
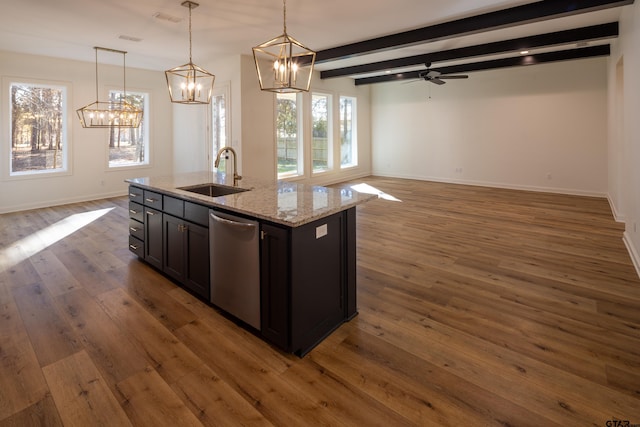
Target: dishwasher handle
(242, 225)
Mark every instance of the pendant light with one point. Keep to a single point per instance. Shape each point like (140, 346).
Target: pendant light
(188, 83)
(121, 113)
(284, 65)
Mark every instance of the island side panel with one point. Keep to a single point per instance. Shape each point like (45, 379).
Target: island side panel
(351, 258)
(318, 261)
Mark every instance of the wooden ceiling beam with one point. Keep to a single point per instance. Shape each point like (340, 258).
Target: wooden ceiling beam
(584, 34)
(542, 58)
(524, 14)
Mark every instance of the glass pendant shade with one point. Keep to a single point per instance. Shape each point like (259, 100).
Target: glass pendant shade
(283, 64)
(188, 83)
(101, 114)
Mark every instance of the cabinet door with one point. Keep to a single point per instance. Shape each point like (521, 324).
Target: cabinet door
(153, 237)
(174, 247)
(274, 283)
(196, 276)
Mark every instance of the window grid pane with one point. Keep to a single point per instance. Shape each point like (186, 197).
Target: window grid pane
(38, 134)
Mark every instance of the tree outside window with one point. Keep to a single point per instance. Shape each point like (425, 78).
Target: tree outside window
(38, 128)
(129, 146)
(287, 135)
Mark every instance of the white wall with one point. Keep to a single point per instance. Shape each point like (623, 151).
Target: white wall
(624, 134)
(90, 177)
(542, 127)
(192, 148)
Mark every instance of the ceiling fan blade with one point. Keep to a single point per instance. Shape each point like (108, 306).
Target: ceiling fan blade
(437, 81)
(461, 76)
(433, 74)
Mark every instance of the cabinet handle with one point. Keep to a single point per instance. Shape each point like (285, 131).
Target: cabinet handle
(133, 195)
(133, 229)
(134, 247)
(151, 200)
(133, 211)
(182, 227)
(263, 234)
(151, 213)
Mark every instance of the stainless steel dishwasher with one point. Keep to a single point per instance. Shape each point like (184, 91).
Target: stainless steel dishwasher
(235, 266)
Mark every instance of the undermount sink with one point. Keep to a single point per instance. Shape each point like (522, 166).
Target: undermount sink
(213, 190)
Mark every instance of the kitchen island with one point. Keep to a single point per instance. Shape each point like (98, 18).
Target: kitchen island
(304, 252)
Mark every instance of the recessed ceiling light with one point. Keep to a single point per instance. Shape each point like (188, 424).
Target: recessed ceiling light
(166, 17)
(524, 52)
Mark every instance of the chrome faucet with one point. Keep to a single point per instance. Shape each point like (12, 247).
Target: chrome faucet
(236, 177)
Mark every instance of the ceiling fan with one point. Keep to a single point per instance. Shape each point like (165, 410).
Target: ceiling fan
(437, 77)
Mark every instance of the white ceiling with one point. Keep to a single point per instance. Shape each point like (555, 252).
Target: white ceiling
(70, 28)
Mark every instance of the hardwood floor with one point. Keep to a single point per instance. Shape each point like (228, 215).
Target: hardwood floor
(477, 306)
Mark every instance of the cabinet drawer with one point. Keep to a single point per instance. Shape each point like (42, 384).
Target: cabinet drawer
(196, 213)
(136, 194)
(136, 229)
(136, 246)
(136, 211)
(153, 200)
(174, 206)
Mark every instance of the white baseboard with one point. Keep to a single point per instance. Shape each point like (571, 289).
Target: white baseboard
(616, 215)
(568, 191)
(58, 202)
(633, 252)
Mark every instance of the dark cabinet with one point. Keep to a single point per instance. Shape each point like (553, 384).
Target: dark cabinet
(275, 285)
(317, 281)
(172, 235)
(186, 254)
(153, 237)
(136, 221)
(307, 280)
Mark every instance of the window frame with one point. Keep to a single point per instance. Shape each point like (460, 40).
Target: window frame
(6, 144)
(354, 130)
(146, 118)
(330, 133)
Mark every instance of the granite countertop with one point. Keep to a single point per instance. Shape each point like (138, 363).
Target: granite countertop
(281, 202)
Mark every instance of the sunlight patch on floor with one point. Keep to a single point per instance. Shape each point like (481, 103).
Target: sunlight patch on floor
(42, 239)
(368, 189)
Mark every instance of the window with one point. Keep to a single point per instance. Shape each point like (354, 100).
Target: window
(288, 134)
(130, 146)
(220, 121)
(348, 140)
(321, 143)
(38, 116)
